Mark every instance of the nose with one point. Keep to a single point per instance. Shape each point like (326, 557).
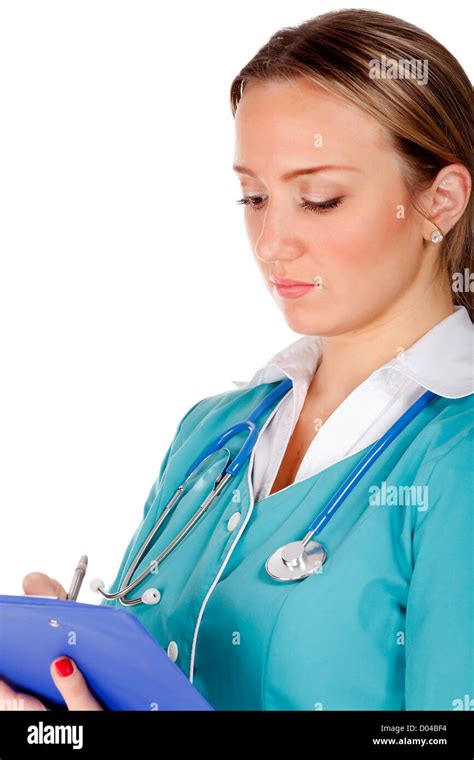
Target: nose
(277, 236)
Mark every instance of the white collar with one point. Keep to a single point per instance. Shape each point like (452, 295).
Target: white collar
(441, 361)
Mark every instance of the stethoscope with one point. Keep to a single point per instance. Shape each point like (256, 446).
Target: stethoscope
(231, 469)
(293, 561)
(298, 559)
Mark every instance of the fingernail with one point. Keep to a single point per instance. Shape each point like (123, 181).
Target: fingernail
(64, 667)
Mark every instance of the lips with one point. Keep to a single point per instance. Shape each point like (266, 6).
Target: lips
(287, 288)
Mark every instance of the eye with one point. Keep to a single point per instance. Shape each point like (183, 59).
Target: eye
(251, 200)
(255, 201)
(319, 208)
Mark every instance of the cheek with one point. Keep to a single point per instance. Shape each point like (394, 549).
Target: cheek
(370, 250)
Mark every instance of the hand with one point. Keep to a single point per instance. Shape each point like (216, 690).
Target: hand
(64, 672)
(69, 681)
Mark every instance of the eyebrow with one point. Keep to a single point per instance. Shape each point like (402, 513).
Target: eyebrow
(297, 172)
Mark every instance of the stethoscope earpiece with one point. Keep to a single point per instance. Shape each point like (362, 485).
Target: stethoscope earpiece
(96, 584)
(151, 596)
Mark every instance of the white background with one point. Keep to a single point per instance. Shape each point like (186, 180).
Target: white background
(128, 290)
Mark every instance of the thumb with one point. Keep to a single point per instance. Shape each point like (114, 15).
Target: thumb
(40, 584)
(72, 685)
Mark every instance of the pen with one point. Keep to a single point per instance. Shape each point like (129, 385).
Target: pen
(77, 579)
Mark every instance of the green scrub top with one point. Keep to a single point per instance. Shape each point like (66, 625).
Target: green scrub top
(386, 624)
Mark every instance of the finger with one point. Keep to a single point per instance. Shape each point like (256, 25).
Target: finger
(17, 700)
(41, 584)
(72, 685)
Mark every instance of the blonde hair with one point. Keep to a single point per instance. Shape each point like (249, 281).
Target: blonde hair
(430, 124)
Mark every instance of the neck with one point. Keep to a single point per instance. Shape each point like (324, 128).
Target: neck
(348, 359)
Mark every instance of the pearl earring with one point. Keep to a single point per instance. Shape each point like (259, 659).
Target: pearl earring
(436, 236)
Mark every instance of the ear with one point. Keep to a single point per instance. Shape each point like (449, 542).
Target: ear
(446, 199)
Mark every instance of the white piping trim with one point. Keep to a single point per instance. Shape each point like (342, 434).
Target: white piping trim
(216, 579)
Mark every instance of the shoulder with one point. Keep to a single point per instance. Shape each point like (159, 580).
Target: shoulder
(223, 406)
(449, 433)
(447, 474)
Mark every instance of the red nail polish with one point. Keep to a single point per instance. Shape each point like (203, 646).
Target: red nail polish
(64, 667)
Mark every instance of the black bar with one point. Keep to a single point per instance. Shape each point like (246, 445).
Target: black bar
(151, 734)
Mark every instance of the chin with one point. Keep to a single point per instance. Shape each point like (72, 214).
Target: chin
(316, 321)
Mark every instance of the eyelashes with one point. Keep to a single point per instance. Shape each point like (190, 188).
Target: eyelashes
(321, 207)
(255, 202)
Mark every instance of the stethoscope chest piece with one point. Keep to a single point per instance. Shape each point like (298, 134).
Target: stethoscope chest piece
(295, 561)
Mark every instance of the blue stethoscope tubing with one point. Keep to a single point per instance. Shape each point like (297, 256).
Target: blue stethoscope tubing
(295, 560)
(378, 448)
(152, 596)
(251, 424)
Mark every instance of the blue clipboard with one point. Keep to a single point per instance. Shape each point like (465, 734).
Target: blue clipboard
(125, 668)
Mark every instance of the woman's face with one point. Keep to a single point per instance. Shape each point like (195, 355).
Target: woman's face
(358, 237)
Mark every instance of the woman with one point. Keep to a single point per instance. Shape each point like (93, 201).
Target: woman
(356, 176)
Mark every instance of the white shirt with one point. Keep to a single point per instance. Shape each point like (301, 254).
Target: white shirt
(441, 361)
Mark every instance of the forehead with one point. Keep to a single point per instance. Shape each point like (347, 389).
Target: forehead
(302, 121)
